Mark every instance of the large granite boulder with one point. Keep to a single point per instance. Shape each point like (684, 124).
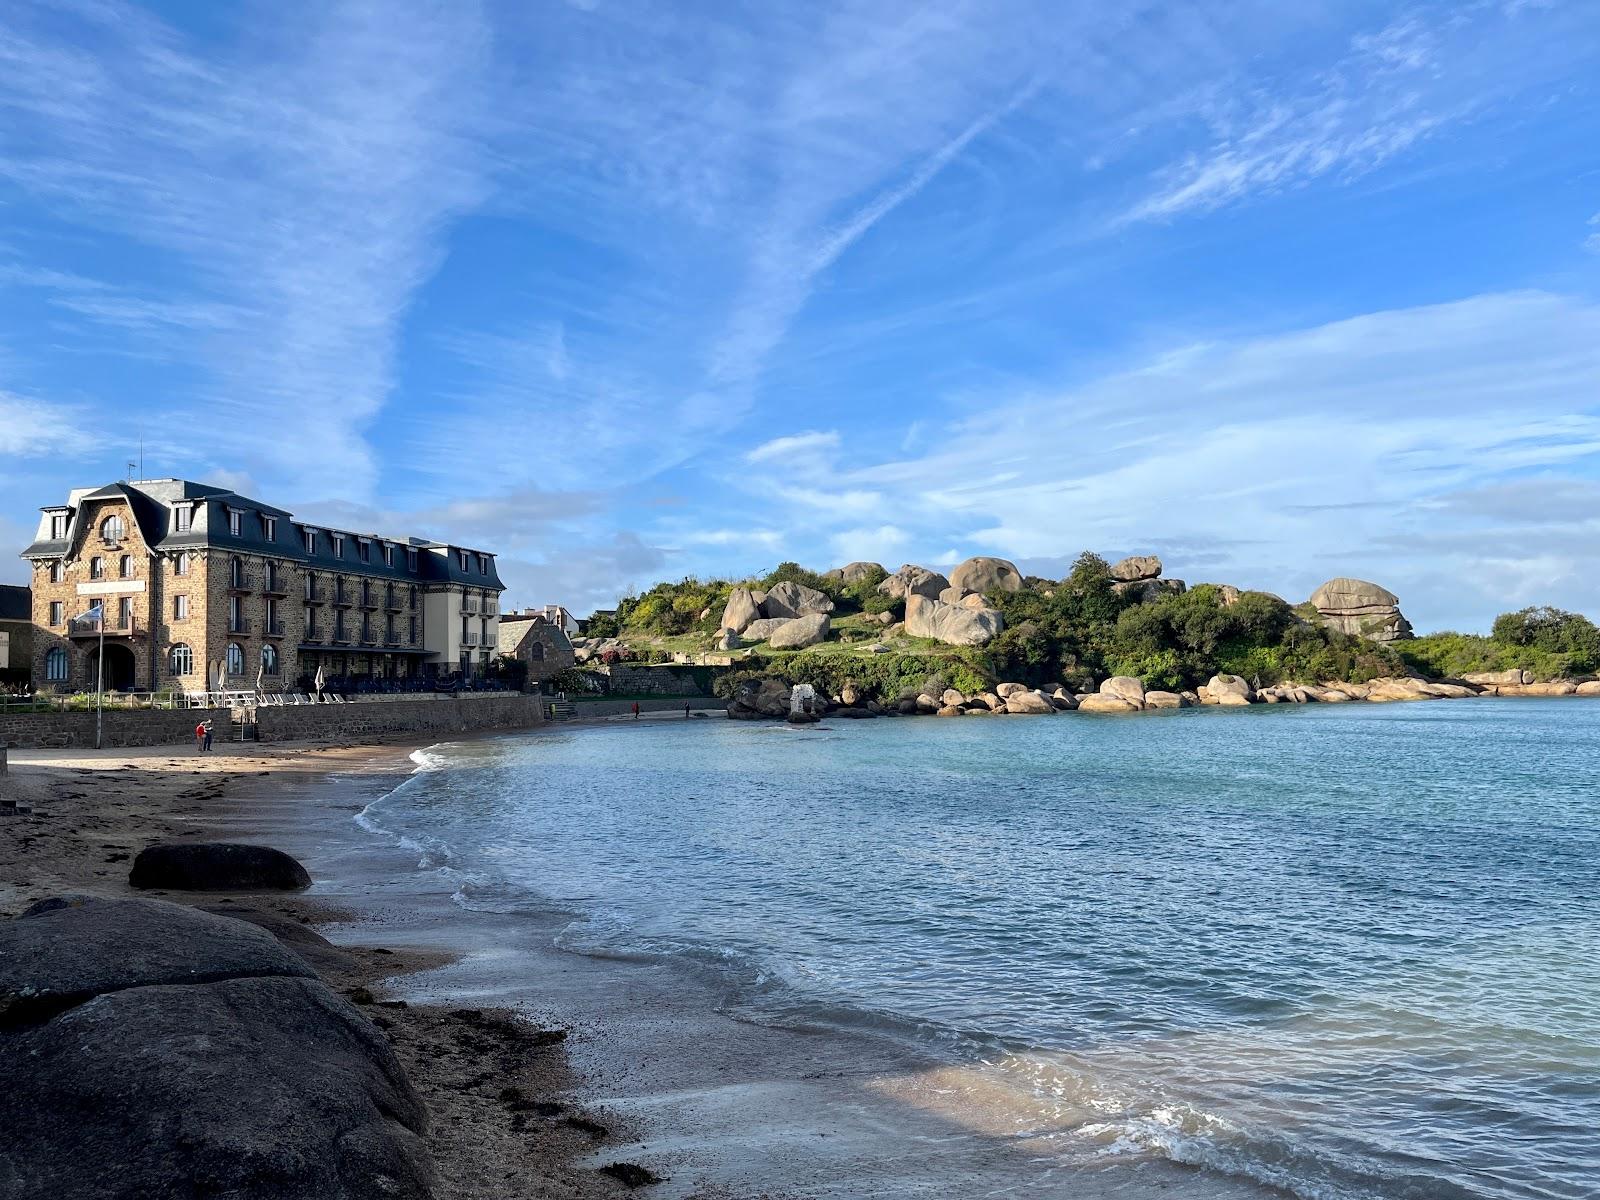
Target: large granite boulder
(800, 632)
(912, 580)
(1515, 677)
(952, 624)
(1227, 690)
(855, 572)
(1136, 567)
(1360, 608)
(1148, 591)
(1165, 700)
(986, 575)
(789, 599)
(1124, 686)
(1106, 702)
(186, 1054)
(727, 639)
(741, 610)
(1030, 703)
(760, 631)
(759, 698)
(216, 867)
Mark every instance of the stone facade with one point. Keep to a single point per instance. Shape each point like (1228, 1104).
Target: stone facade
(198, 580)
(658, 681)
(543, 647)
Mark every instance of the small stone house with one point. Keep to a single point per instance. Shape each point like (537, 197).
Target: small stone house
(533, 640)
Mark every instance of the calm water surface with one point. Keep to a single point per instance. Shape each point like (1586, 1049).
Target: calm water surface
(1349, 951)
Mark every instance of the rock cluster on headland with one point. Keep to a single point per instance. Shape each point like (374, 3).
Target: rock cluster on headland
(150, 1049)
(772, 698)
(790, 616)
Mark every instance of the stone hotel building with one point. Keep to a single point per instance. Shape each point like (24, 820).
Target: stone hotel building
(195, 579)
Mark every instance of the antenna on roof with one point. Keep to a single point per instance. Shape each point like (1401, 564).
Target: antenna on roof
(141, 456)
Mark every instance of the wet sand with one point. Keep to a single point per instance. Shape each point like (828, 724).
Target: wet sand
(649, 1071)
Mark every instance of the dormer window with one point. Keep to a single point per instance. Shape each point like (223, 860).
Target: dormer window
(411, 561)
(364, 549)
(235, 521)
(461, 559)
(183, 518)
(388, 555)
(338, 544)
(111, 528)
(311, 541)
(269, 527)
(58, 526)
(483, 564)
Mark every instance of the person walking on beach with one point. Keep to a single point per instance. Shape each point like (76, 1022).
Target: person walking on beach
(635, 710)
(685, 710)
(207, 727)
(200, 737)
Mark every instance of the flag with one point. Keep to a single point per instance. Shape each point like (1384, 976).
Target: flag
(92, 620)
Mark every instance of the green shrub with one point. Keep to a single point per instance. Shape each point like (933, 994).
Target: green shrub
(1552, 631)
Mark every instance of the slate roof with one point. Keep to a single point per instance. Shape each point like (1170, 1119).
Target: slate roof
(16, 603)
(152, 503)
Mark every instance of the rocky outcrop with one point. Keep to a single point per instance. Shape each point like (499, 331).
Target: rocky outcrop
(1228, 690)
(1124, 686)
(1160, 699)
(181, 1050)
(1105, 702)
(741, 610)
(216, 867)
(986, 575)
(855, 572)
(1512, 678)
(789, 599)
(727, 639)
(760, 698)
(1362, 609)
(799, 633)
(952, 624)
(1029, 703)
(1148, 591)
(1136, 567)
(912, 580)
(760, 631)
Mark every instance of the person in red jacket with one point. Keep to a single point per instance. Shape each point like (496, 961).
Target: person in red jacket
(635, 710)
(200, 737)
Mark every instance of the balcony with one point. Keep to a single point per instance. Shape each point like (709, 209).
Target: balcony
(391, 637)
(238, 625)
(239, 582)
(469, 605)
(368, 638)
(313, 592)
(342, 597)
(367, 598)
(341, 635)
(116, 626)
(392, 601)
(469, 639)
(313, 633)
(276, 583)
(272, 629)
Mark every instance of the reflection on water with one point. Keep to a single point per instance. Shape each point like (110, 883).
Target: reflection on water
(1349, 951)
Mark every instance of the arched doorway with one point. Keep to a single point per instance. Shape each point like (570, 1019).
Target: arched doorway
(121, 668)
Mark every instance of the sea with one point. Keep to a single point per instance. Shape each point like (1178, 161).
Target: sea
(1344, 951)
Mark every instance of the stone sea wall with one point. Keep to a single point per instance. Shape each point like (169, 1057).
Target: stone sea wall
(357, 720)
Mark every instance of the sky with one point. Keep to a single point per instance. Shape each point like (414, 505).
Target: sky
(629, 291)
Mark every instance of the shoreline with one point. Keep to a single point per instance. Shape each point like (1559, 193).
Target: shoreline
(650, 1072)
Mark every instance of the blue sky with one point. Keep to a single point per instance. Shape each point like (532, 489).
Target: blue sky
(630, 291)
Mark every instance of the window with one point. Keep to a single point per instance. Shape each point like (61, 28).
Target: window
(236, 614)
(183, 521)
(388, 555)
(125, 566)
(483, 564)
(411, 560)
(180, 608)
(180, 659)
(55, 665)
(57, 571)
(310, 617)
(58, 530)
(536, 651)
(125, 613)
(111, 528)
(235, 659)
(235, 521)
(236, 572)
(269, 659)
(269, 527)
(97, 567)
(56, 610)
(311, 540)
(461, 559)
(411, 598)
(364, 549)
(338, 544)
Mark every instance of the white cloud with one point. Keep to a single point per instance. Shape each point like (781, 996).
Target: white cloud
(792, 446)
(29, 427)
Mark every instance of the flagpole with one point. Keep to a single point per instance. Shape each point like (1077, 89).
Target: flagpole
(100, 679)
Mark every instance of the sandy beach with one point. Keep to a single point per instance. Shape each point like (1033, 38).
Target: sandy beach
(542, 1069)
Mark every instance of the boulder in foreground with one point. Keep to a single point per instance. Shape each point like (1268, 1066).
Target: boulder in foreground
(216, 867)
(208, 1063)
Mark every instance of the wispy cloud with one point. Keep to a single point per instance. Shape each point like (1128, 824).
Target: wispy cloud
(793, 445)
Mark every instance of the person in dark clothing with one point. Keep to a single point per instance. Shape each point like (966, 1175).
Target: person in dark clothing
(635, 710)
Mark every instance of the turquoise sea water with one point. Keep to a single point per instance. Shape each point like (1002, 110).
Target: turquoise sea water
(1348, 951)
